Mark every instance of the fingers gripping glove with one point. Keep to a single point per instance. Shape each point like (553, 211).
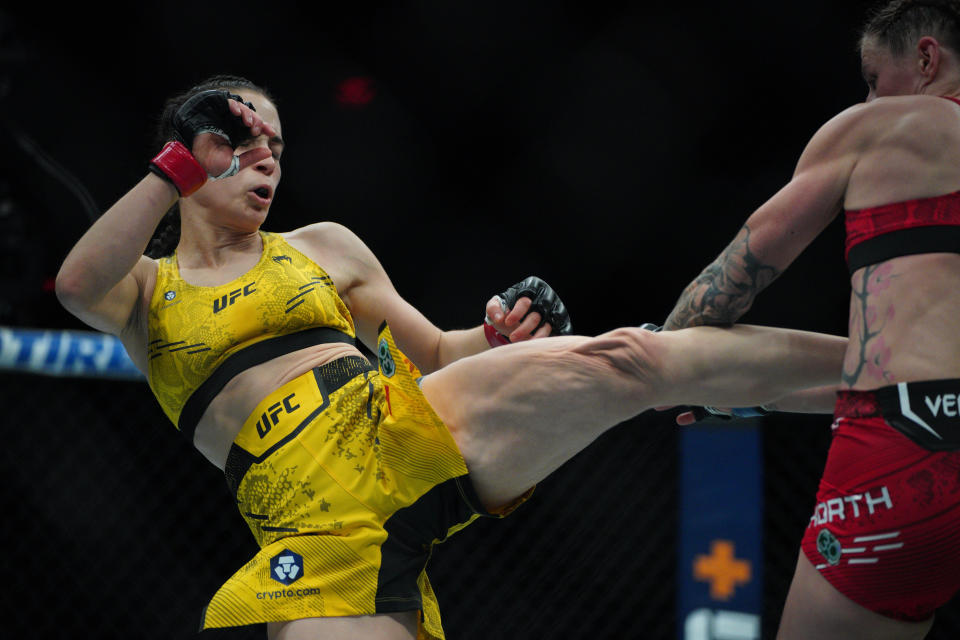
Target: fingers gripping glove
(205, 112)
(704, 413)
(544, 301)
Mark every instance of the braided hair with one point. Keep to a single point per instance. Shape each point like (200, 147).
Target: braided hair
(167, 235)
(899, 24)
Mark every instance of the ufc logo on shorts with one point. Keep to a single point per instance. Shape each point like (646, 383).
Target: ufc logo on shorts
(271, 416)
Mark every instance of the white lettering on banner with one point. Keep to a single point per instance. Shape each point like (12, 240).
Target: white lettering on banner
(704, 624)
(949, 402)
(65, 353)
(837, 508)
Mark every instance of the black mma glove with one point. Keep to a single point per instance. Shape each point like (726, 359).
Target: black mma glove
(205, 112)
(209, 112)
(713, 413)
(543, 300)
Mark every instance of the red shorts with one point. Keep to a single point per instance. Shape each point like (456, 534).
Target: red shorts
(886, 528)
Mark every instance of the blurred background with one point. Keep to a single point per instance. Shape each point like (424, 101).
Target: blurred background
(610, 147)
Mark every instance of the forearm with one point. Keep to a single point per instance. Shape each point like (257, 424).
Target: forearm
(111, 247)
(725, 290)
(462, 343)
(815, 400)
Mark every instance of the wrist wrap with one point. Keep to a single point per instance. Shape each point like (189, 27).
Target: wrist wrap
(494, 337)
(176, 164)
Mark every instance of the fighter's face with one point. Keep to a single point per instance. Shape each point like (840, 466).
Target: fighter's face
(886, 74)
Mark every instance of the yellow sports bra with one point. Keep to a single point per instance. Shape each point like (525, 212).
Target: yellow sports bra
(201, 337)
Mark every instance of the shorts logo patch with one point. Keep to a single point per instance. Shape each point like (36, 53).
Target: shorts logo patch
(286, 567)
(387, 365)
(829, 547)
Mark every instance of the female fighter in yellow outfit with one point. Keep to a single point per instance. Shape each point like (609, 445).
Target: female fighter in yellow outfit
(348, 473)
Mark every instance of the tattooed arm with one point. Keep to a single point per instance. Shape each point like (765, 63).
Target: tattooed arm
(777, 232)
(724, 291)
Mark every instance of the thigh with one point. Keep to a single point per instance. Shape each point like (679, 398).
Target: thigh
(887, 515)
(518, 412)
(386, 626)
(815, 609)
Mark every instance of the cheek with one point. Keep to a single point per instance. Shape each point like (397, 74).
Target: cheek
(896, 83)
(212, 192)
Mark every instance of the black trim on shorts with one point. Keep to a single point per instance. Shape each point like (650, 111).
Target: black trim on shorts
(329, 378)
(904, 242)
(239, 362)
(411, 534)
(921, 412)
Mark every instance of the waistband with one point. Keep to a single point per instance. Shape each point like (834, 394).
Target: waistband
(253, 355)
(927, 412)
(296, 404)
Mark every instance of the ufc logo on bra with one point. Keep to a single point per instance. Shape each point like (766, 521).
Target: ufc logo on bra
(226, 300)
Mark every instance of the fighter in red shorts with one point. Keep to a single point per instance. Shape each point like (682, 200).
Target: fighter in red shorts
(881, 551)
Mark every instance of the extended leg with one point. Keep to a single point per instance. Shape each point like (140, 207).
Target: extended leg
(519, 412)
(385, 626)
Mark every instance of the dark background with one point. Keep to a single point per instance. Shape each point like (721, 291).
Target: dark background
(610, 147)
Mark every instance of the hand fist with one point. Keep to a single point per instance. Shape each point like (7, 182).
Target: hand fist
(528, 309)
(214, 148)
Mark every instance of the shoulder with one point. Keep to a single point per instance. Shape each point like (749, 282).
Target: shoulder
(893, 116)
(328, 236)
(339, 250)
(866, 126)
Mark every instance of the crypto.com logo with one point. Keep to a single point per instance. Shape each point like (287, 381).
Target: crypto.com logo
(286, 567)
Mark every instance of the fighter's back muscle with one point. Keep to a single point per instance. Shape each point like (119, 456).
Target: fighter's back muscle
(910, 148)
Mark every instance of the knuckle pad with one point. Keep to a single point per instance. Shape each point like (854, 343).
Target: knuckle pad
(209, 111)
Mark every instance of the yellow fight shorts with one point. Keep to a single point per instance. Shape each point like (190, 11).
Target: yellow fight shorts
(347, 478)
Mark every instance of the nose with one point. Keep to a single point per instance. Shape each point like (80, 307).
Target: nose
(268, 165)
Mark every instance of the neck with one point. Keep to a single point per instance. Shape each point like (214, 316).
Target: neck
(208, 246)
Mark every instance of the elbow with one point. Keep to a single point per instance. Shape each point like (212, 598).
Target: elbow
(70, 290)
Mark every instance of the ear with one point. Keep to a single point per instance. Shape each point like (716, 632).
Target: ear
(928, 58)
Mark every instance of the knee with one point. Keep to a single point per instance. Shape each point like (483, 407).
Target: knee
(629, 351)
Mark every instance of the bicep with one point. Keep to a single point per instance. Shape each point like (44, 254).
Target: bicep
(780, 229)
(375, 301)
(769, 241)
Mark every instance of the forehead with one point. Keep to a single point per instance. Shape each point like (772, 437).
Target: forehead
(266, 109)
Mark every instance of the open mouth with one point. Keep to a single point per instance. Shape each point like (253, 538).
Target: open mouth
(263, 192)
